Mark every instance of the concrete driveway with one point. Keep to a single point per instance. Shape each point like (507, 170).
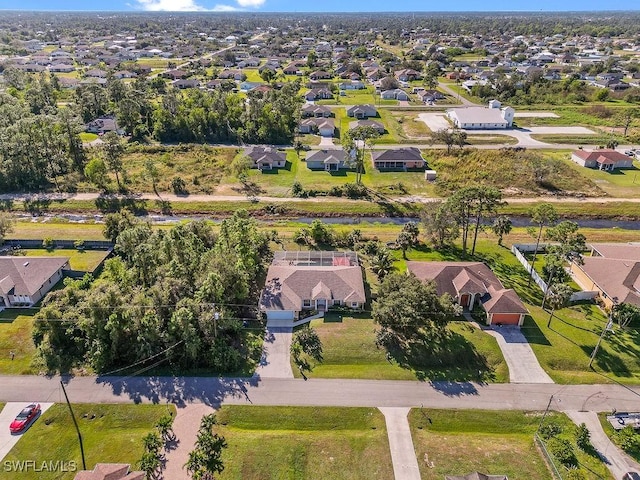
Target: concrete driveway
(9, 412)
(615, 459)
(403, 454)
(326, 142)
(523, 364)
(274, 362)
(435, 121)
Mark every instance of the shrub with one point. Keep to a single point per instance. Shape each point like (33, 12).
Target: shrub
(48, 243)
(79, 245)
(354, 190)
(562, 450)
(583, 438)
(297, 190)
(550, 429)
(179, 186)
(628, 439)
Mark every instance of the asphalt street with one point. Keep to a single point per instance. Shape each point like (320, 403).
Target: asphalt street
(320, 392)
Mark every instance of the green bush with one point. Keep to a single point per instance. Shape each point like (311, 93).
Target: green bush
(628, 439)
(550, 429)
(48, 243)
(583, 438)
(562, 451)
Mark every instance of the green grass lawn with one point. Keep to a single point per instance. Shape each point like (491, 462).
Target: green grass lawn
(59, 230)
(114, 435)
(350, 352)
(15, 336)
(252, 75)
(304, 443)
(621, 183)
(458, 442)
(88, 137)
(83, 260)
(563, 349)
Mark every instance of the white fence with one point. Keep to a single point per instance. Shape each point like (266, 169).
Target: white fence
(517, 250)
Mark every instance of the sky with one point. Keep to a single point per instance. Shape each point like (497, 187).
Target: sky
(319, 5)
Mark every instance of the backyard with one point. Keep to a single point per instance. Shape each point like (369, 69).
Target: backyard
(304, 443)
(15, 336)
(126, 424)
(458, 442)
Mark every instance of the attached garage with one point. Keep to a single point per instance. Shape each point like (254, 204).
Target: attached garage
(280, 315)
(505, 319)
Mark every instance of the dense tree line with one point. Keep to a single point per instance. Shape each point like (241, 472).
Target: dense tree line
(180, 293)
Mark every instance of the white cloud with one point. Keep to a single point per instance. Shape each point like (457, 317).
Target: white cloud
(251, 3)
(192, 6)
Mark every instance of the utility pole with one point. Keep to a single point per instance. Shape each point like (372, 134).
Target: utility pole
(545, 413)
(84, 464)
(606, 329)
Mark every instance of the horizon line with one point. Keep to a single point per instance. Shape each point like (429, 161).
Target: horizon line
(626, 10)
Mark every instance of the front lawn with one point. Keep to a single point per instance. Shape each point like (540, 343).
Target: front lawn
(111, 434)
(350, 352)
(457, 442)
(15, 336)
(304, 443)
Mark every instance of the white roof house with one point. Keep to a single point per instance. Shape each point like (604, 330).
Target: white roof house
(482, 118)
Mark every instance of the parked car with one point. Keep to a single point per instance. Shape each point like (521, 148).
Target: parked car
(24, 419)
(631, 476)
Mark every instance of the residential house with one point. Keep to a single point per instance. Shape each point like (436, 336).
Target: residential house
(362, 111)
(471, 284)
(175, 74)
(329, 160)
(183, 83)
(294, 68)
(313, 110)
(397, 159)
(25, 280)
(102, 125)
(320, 75)
(325, 127)
(605, 159)
(265, 157)
(394, 94)
(95, 73)
(120, 74)
(429, 96)
(110, 471)
(480, 118)
(62, 68)
(377, 126)
(612, 270)
(236, 75)
(407, 75)
(352, 85)
(299, 281)
(318, 94)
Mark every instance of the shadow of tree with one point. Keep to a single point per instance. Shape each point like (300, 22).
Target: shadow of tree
(36, 206)
(607, 361)
(532, 332)
(450, 357)
(6, 204)
(111, 204)
(180, 390)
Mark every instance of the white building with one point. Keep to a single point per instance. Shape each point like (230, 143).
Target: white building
(481, 118)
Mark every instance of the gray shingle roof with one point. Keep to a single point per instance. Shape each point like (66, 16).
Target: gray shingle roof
(287, 286)
(26, 275)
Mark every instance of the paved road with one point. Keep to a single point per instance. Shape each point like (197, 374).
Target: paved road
(403, 454)
(615, 459)
(9, 412)
(320, 392)
(523, 364)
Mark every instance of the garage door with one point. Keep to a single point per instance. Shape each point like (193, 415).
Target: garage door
(280, 315)
(505, 318)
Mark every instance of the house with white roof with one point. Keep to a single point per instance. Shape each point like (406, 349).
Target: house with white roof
(482, 118)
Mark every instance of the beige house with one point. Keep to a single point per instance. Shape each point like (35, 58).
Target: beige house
(612, 270)
(603, 159)
(25, 280)
(298, 281)
(265, 157)
(471, 284)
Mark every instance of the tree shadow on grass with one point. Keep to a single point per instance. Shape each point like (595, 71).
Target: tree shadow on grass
(607, 362)
(532, 332)
(36, 205)
(6, 204)
(449, 358)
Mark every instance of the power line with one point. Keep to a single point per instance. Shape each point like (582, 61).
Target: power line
(144, 359)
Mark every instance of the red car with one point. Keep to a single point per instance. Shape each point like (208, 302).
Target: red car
(24, 418)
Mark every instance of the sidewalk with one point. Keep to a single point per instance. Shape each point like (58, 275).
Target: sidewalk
(403, 454)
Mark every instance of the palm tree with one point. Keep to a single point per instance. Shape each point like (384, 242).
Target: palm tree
(501, 227)
(381, 263)
(558, 297)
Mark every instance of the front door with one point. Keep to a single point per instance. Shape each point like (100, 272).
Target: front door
(321, 305)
